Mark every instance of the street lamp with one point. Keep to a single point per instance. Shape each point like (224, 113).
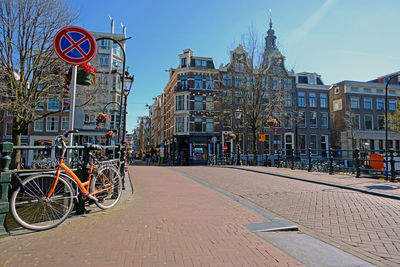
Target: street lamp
(127, 87)
(238, 118)
(386, 127)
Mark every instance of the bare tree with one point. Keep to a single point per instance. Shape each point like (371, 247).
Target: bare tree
(28, 67)
(257, 85)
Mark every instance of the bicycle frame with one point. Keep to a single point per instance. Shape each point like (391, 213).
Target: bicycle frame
(83, 186)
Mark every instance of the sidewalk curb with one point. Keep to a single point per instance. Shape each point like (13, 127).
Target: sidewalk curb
(366, 191)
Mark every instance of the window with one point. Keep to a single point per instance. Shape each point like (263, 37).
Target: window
(380, 104)
(276, 70)
(368, 103)
(313, 119)
(355, 102)
(287, 83)
(198, 82)
(104, 44)
(355, 121)
(53, 104)
(392, 105)
(227, 80)
(381, 122)
(302, 79)
(226, 97)
(198, 124)
(104, 61)
(209, 103)
(379, 91)
(302, 144)
(323, 100)
(117, 50)
(392, 92)
(209, 82)
(90, 119)
(179, 102)
(198, 103)
(64, 123)
(201, 63)
(354, 89)
(117, 64)
(302, 119)
(227, 118)
(238, 81)
(238, 67)
(238, 98)
(276, 84)
(368, 122)
(265, 97)
(302, 99)
(312, 79)
(312, 99)
(250, 81)
(209, 125)
(313, 144)
(183, 62)
(265, 82)
(324, 120)
(9, 126)
(337, 90)
(40, 105)
(288, 100)
(180, 124)
(52, 124)
(288, 121)
(38, 125)
(367, 90)
(184, 84)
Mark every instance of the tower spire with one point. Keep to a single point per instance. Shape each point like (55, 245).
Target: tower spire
(270, 19)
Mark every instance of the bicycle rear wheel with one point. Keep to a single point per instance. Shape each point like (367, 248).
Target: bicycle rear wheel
(106, 186)
(30, 208)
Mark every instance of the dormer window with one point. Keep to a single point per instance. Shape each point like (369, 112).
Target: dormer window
(201, 63)
(183, 62)
(312, 79)
(303, 79)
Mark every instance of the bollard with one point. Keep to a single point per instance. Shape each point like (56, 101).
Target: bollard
(6, 149)
(392, 167)
(356, 159)
(309, 159)
(279, 159)
(292, 160)
(330, 161)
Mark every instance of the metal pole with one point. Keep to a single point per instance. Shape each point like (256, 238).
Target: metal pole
(72, 109)
(386, 127)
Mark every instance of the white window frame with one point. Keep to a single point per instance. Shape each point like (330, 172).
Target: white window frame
(36, 125)
(48, 123)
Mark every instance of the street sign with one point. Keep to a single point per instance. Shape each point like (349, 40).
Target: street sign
(134, 148)
(225, 148)
(214, 139)
(262, 137)
(161, 144)
(75, 45)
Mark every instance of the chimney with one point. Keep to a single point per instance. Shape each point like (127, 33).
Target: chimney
(112, 25)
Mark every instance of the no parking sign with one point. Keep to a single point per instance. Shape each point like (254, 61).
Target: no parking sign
(75, 45)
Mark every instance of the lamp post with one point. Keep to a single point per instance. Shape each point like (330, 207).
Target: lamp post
(386, 127)
(238, 117)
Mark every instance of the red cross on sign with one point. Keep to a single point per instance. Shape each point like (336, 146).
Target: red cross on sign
(75, 45)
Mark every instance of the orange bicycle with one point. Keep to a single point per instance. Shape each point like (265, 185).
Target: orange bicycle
(44, 201)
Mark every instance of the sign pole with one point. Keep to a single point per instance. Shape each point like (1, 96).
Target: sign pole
(72, 107)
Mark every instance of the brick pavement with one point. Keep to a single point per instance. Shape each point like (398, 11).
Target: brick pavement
(364, 225)
(373, 184)
(169, 221)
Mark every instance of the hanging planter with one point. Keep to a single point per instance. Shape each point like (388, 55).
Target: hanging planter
(110, 134)
(86, 75)
(272, 122)
(102, 120)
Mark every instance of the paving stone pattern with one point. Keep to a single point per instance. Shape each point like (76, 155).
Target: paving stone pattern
(169, 221)
(364, 225)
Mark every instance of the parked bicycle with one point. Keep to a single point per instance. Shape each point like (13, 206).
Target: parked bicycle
(43, 201)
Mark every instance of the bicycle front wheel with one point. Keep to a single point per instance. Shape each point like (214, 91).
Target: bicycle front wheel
(31, 208)
(106, 186)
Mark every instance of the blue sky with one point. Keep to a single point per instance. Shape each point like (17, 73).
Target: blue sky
(338, 39)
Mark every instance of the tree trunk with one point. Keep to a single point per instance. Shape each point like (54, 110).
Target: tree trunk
(16, 155)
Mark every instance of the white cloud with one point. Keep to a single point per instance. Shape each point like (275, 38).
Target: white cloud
(310, 23)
